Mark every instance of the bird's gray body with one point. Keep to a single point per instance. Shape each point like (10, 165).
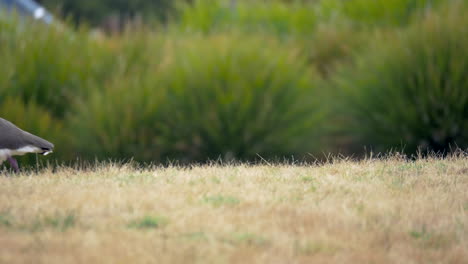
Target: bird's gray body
(15, 141)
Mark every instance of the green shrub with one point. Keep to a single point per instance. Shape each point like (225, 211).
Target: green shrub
(119, 121)
(228, 97)
(411, 89)
(48, 66)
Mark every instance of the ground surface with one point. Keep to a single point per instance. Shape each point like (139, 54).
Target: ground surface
(369, 212)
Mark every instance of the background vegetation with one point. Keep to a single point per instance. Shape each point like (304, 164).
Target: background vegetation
(240, 80)
(98, 12)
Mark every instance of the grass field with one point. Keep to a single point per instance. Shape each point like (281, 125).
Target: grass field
(373, 211)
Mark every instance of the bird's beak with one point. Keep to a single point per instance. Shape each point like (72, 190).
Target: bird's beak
(47, 152)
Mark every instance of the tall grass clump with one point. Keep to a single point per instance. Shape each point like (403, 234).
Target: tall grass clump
(225, 97)
(117, 108)
(410, 90)
(48, 66)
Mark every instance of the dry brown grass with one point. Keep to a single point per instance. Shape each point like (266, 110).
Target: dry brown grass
(387, 211)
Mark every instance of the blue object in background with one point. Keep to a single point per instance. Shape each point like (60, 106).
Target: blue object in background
(27, 8)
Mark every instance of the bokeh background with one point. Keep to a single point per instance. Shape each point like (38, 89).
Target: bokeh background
(190, 81)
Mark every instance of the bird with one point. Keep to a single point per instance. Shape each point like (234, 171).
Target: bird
(17, 142)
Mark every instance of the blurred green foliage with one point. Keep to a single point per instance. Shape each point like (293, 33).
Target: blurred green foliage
(48, 66)
(218, 97)
(375, 12)
(272, 16)
(241, 79)
(410, 89)
(295, 17)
